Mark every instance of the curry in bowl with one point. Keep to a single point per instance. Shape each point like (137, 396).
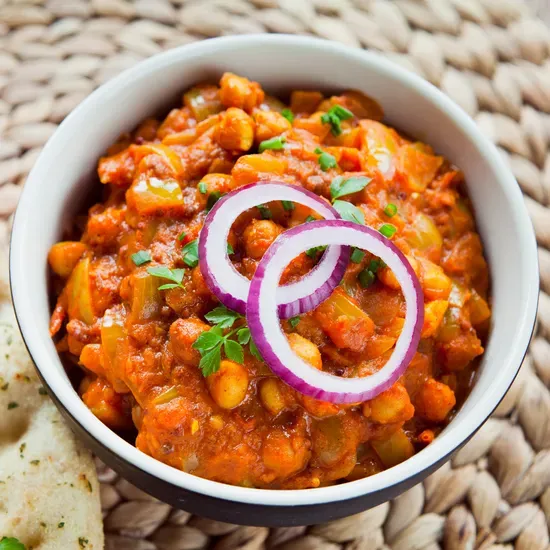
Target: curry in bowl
(174, 343)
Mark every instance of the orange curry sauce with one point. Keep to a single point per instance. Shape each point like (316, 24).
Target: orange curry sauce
(242, 425)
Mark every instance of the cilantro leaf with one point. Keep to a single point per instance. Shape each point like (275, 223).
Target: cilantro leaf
(294, 321)
(325, 160)
(169, 286)
(243, 335)
(210, 362)
(341, 187)
(233, 351)
(174, 275)
(223, 317)
(254, 350)
(208, 339)
(141, 257)
(349, 212)
(11, 543)
(190, 253)
(230, 249)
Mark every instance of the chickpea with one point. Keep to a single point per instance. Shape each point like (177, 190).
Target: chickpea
(258, 236)
(284, 453)
(270, 124)
(183, 334)
(435, 283)
(213, 183)
(235, 130)
(64, 256)
(388, 278)
(306, 350)
(237, 91)
(271, 396)
(435, 401)
(228, 386)
(392, 405)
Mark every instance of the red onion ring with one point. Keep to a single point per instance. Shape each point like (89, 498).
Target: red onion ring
(230, 287)
(272, 342)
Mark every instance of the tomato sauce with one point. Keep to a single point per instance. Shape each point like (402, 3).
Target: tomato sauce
(134, 332)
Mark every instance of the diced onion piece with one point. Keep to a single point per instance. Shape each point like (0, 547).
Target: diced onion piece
(230, 287)
(273, 344)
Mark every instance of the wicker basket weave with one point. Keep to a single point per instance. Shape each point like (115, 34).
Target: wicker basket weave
(493, 58)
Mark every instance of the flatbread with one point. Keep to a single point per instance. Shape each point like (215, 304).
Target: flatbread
(49, 492)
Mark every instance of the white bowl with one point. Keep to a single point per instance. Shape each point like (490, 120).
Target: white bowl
(62, 176)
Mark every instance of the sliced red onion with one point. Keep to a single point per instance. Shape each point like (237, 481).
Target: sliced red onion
(230, 287)
(272, 342)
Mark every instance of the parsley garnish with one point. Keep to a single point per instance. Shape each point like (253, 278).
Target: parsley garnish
(230, 249)
(181, 236)
(202, 187)
(190, 253)
(326, 160)
(174, 275)
(141, 257)
(223, 317)
(210, 343)
(83, 542)
(340, 186)
(310, 219)
(288, 205)
(42, 391)
(349, 212)
(12, 405)
(61, 524)
(288, 114)
(275, 143)
(265, 212)
(294, 321)
(334, 116)
(11, 543)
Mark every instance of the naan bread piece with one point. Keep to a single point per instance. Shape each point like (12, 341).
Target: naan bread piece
(49, 492)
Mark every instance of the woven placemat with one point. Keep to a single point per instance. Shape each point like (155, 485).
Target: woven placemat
(493, 58)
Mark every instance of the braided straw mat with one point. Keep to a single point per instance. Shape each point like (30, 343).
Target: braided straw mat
(493, 58)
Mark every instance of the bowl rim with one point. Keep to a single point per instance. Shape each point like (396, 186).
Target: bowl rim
(442, 447)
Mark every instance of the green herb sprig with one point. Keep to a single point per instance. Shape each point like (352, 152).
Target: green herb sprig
(325, 160)
(141, 257)
(190, 253)
(211, 343)
(347, 186)
(163, 272)
(334, 116)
